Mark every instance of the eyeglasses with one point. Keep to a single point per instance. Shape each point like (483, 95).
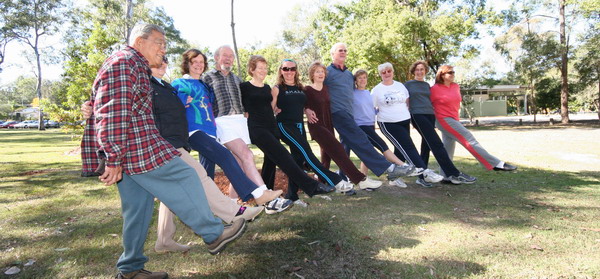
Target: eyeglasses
(450, 72)
(161, 43)
(342, 50)
(286, 69)
(388, 71)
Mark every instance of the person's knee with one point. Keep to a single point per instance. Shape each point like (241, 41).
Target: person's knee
(247, 156)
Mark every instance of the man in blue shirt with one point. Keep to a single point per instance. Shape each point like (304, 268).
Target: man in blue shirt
(340, 82)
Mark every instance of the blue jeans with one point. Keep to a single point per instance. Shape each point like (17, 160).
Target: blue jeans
(212, 151)
(357, 140)
(177, 185)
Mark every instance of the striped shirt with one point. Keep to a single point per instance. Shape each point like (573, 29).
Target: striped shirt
(123, 122)
(227, 92)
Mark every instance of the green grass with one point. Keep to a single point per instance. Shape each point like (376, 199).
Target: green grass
(542, 221)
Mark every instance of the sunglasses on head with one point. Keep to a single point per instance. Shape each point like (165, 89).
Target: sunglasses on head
(287, 69)
(450, 72)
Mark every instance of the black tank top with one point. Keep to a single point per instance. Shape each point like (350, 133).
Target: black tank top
(290, 100)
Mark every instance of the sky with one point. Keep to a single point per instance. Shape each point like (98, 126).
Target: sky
(202, 22)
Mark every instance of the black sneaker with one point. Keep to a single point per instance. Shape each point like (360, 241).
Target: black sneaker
(424, 183)
(462, 178)
(324, 189)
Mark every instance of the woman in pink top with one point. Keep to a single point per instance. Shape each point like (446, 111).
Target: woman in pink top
(446, 98)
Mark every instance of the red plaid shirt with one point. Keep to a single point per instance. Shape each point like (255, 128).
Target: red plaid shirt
(122, 126)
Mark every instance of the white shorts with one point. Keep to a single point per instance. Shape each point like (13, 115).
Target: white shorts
(231, 127)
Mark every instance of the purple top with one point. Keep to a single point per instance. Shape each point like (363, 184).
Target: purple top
(364, 111)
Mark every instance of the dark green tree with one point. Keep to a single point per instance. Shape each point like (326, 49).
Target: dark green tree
(548, 94)
(400, 32)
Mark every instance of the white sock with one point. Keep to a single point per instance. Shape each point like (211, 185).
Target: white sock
(258, 192)
(500, 165)
(391, 168)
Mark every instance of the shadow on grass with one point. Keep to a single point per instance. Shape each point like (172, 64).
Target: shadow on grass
(363, 236)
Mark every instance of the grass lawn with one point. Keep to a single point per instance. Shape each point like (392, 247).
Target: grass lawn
(542, 221)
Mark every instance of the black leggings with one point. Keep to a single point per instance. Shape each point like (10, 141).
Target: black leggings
(294, 135)
(398, 133)
(277, 155)
(425, 125)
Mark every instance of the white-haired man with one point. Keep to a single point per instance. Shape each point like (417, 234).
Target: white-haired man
(340, 82)
(139, 160)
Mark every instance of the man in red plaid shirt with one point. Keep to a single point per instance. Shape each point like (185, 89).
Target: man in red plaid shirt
(122, 133)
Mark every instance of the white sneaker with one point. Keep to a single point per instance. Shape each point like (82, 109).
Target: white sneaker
(300, 203)
(369, 183)
(432, 177)
(416, 171)
(343, 187)
(398, 182)
(278, 205)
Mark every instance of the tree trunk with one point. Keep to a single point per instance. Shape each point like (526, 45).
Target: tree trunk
(237, 56)
(128, 16)
(564, 60)
(41, 125)
(598, 101)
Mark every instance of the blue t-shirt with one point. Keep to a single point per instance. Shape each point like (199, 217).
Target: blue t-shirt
(199, 112)
(341, 85)
(364, 111)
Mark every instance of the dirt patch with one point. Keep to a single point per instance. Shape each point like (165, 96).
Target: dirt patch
(281, 181)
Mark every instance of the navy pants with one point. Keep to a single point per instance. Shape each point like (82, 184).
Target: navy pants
(352, 136)
(425, 125)
(214, 152)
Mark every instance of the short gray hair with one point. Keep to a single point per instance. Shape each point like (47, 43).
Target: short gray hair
(143, 30)
(336, 46)
(218, 50)
(386, 65)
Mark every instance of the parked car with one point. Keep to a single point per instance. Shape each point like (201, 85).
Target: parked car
(27, 124)
(6, 124)
(51, 124)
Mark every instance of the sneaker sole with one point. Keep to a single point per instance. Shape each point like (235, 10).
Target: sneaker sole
(424, 185)
(224, 243)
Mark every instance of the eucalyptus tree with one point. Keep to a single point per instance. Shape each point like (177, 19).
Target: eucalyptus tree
(28, 21)
(95, 31)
